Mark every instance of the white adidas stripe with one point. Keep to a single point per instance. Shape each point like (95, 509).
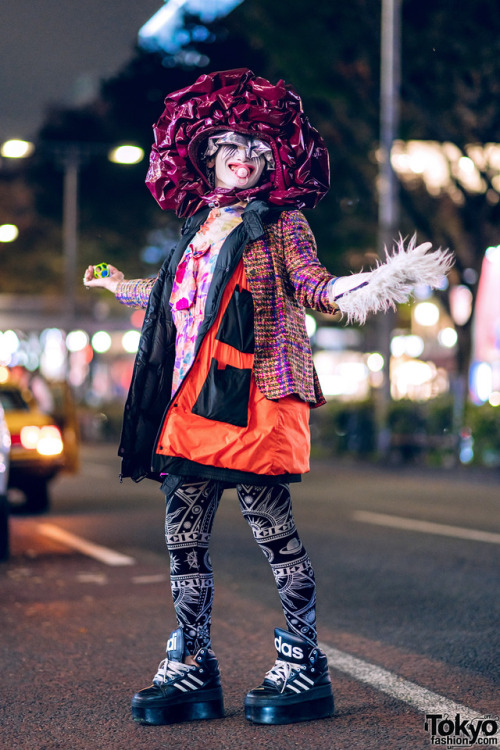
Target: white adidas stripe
(188, 683)
(192, 685)
(300, 684)
(195, 679)
(304, 677)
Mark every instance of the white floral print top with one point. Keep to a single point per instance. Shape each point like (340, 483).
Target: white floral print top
(192, 282)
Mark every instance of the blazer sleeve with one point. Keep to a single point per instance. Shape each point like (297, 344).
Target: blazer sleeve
(310, 279)
(135, 293)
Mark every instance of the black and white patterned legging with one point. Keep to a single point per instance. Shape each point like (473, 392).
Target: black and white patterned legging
(191, 508)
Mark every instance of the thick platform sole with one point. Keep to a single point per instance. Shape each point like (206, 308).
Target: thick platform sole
(210, 705)
(280, 712)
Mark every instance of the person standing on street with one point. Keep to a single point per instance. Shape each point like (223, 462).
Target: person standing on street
(224, 378)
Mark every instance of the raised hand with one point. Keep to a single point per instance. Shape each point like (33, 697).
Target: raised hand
(108, 282)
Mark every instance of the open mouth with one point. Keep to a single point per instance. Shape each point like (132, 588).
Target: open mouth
(242, 171)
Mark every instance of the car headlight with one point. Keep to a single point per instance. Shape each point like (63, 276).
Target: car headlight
(46, 440)
(29, 436)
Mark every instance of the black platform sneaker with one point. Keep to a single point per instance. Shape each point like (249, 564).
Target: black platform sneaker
(297, 688)
(181, 692)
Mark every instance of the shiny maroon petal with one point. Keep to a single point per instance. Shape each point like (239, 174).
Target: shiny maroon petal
(241, 101)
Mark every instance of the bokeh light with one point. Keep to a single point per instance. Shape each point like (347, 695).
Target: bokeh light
(101, 342)
(130, 341)
(126, 155)
(426, 313)
(8, 232)
(76, 341)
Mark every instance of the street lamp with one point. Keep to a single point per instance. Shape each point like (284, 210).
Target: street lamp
(8, 232)
(16, 149)
(126, 154)
(71, 156)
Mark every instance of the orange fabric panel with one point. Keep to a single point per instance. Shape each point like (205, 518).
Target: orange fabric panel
(276, 439)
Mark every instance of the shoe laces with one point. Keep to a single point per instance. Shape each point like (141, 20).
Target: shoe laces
(169, 669)
(281, 673)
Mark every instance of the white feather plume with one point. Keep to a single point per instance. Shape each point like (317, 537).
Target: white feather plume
(393, 281)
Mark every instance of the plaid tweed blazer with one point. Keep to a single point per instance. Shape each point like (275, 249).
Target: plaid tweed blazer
(285, 276)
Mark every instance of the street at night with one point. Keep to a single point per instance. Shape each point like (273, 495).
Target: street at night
(216, 216)
(406, 564)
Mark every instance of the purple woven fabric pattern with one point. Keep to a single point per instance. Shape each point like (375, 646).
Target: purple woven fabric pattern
(285, 276)
(134, 293)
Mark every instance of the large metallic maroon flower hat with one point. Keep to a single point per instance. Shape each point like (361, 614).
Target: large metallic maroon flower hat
(238, 101)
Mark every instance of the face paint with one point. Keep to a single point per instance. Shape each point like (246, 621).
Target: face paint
(234, 169)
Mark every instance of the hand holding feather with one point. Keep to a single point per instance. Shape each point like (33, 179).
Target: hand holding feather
(391, 282)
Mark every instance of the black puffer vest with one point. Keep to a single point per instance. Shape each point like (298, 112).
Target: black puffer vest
(150, 390)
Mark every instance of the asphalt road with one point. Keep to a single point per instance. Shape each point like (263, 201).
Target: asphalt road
(407, 570)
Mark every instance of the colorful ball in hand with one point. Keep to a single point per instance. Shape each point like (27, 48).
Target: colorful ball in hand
(101, 271)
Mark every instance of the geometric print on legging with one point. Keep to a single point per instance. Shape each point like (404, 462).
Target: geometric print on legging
(268, 511)
(190, 512)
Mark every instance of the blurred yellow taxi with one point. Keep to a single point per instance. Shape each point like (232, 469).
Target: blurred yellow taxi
(37, 451)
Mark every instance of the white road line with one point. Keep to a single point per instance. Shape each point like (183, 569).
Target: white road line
(428, 527)
(393, 685)
(100, 578)
(155, 578)
(103, 554)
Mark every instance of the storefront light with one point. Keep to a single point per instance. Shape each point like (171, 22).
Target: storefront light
(54, 353)
(416, 372)
(460, 304)
(342, 374)
(310, 325)
(482, 380)
(466, 165)
(101, 342)
(398, 346)
(130, 341)
(375, 362)
(426, 314)
(10, 341)
(414, 346)
(9, 345)
(76, 341)
(447, 337)
(411, 346)
(494, 398)
(493, 254)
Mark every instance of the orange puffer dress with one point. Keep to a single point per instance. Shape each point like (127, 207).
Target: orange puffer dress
(220, 425)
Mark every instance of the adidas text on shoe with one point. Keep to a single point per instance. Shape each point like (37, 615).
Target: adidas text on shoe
(297, 688)
(181, 692)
